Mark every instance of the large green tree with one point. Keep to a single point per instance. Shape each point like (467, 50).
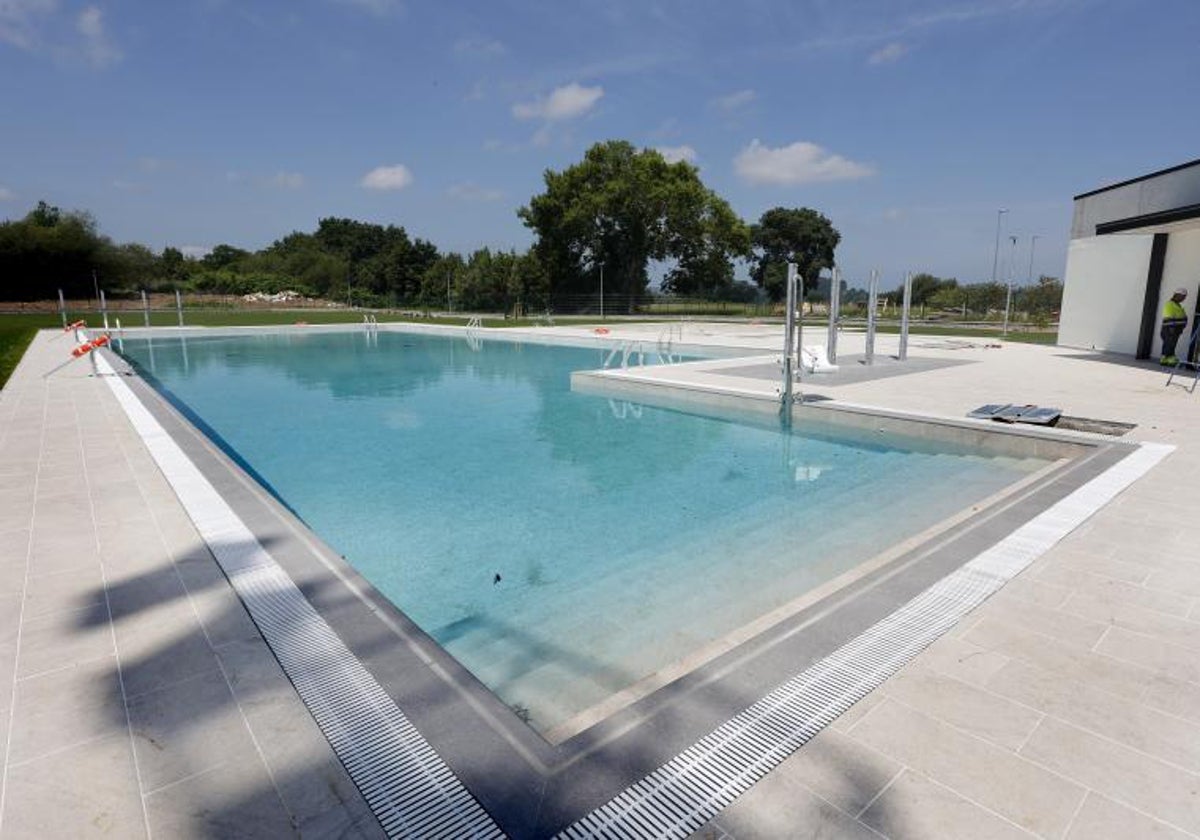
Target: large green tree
(785, 235)
(50, 250)
(622, 207)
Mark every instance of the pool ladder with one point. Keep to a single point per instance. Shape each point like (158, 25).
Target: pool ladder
(666, 344)
(473, 327)
(371, 325)
(627, 351)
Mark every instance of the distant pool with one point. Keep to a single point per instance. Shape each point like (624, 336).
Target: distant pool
(561, 546)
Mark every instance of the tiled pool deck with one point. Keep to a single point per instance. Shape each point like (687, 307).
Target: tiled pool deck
(136, 697)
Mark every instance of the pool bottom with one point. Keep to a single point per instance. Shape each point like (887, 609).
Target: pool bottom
(819, 593)
(499, 759)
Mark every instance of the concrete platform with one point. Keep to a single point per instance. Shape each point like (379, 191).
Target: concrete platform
(137, 698)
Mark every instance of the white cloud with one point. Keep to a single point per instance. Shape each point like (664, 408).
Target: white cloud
(733, 101)
(798, 163)
(286, 180)
(887, 54)
(395, 177)
(6, 194)
(21, 20)
(43, 27)
(380, 8)
(478, 46)
(563, 103)
(674, 154)
(99, 50)
(474, 192)
(478, 92)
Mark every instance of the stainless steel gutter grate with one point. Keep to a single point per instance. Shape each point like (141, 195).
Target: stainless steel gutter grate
(689, 790)
(409, 788)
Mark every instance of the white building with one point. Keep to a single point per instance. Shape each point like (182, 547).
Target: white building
(1132, 245)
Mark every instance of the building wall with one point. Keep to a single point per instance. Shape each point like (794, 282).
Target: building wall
(1104, 289)
(1180, 270)
(1158, 194)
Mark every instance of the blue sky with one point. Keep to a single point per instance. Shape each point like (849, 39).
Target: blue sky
(907, 123)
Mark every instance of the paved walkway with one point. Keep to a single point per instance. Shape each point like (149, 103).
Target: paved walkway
(137, 698)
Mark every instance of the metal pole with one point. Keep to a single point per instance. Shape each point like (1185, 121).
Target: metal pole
(904, 316)
(95, 285)
(789, 325)
(835, 311)
(601, 290)
(62, 308)
(799, 295)
(104, 310)
(872, 307)
(145, 308)
(1032, 245)
(996, 253)
(1008, 291)
(449, 305)
(179, 307)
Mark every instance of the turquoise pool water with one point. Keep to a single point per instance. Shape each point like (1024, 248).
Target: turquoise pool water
(623, 537)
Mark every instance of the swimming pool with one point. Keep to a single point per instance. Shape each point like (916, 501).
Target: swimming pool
(563, 547)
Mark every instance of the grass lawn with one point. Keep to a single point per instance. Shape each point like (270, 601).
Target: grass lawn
(16, 331)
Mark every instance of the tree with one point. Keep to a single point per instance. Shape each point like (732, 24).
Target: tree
(44, 215)
(622, 207)
(798, 235)
(48, 250)
(222, 256)
(174, 266)
(925, 286)
(1043, 298)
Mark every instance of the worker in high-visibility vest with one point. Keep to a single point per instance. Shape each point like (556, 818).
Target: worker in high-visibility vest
(1174, 321)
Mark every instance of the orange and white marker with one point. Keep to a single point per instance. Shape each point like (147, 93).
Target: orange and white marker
(79, 351)
(89, 346)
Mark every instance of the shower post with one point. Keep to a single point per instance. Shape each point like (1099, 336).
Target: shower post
(904, 316)
(835, 311)
(789, 325)
(872, 308)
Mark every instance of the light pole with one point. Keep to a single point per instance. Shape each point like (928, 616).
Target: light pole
(1012, 264)
(1032, 245)
(996, 254)
(601, 264)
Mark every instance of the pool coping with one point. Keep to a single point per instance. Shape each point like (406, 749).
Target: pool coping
(531, 788)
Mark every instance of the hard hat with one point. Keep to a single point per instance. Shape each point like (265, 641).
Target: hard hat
(1181, 292)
